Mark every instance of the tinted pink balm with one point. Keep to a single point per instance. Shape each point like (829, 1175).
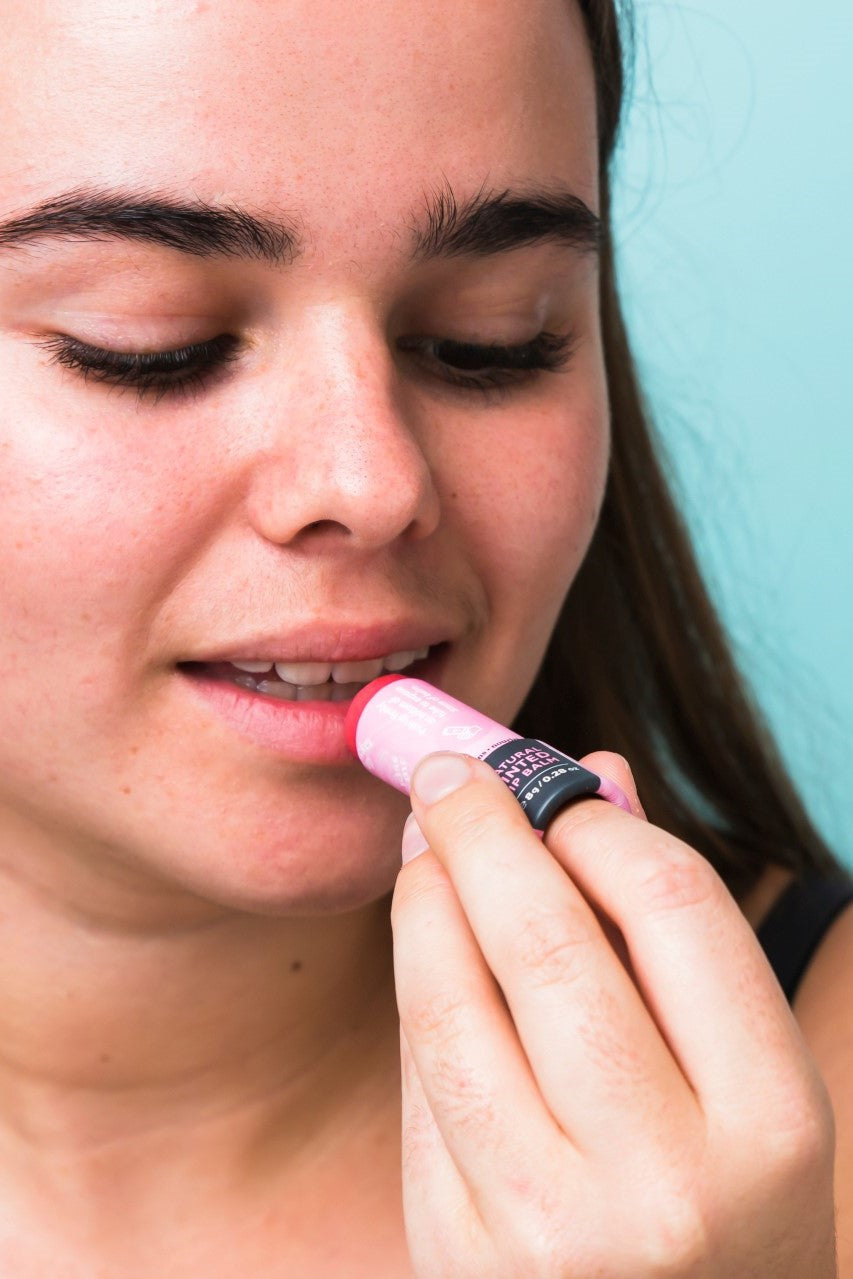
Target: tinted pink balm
(395, 721)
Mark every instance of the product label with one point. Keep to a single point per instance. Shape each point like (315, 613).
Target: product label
(408, 719)
(541, 778)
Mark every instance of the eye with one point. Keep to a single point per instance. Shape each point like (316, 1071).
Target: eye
(152, 374)
(488, 368)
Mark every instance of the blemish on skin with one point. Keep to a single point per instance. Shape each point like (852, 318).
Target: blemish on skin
(105, 1059)
(125, 790)
(134, 750)
(296, 966)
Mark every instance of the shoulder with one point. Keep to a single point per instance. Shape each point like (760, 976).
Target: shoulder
(823, 1007)
(823, 1001)
(823, 1004)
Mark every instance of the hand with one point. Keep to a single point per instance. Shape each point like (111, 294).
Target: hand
(576, 1105)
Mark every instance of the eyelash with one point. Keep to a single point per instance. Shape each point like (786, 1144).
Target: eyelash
(188, 369)
(151, 373)
(504, 366)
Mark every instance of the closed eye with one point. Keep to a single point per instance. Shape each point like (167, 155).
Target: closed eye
(150, 373)
(490, 367)
(486, 368)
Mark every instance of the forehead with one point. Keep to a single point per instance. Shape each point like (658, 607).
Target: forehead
(342, 109)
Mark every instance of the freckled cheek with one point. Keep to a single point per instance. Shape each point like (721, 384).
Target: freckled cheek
(89, 534)
(545, 498)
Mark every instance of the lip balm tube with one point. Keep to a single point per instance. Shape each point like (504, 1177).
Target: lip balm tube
(394, 721)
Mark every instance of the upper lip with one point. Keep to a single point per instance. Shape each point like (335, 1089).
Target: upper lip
(348, 642)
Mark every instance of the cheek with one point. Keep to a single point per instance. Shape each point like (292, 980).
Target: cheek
(532, 502)
(99, 519)
(89, 532)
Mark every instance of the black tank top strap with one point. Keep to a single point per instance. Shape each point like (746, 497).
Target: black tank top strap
(797, 922)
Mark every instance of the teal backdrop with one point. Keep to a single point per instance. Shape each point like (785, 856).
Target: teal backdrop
(733, 204)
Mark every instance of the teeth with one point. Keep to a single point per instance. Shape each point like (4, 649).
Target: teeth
(344, 692)
(306, 693)
(357, 672)
(246, 681)
(303, 672)
(275, 688)
(310, 681)
(399, 661)
(314, 693)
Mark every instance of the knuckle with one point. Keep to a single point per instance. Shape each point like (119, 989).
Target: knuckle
(537, 1242)
(679, 879)
(439, 1014)
(552, 946)
(470, 821)
(669, 1211)
(456, 1085)
(676, 1244)
(672, 1237)
(801, 1140)
(465, 1100)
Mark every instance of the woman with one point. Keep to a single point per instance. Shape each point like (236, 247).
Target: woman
(310, 353)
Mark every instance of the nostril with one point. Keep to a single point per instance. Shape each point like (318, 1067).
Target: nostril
(326, 528)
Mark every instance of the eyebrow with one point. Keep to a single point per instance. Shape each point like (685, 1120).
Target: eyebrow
(498, 222)
(194, 227)
(484, 224)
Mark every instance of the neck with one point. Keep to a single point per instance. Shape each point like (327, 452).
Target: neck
(196, 1036)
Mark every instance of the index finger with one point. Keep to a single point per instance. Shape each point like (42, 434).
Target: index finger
(599, 1060)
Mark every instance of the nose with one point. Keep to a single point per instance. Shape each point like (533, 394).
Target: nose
(341, 461)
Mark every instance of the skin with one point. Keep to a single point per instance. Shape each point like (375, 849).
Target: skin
(658, 1126)
(199, 1025)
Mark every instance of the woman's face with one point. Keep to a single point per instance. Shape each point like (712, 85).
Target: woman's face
(325, 476)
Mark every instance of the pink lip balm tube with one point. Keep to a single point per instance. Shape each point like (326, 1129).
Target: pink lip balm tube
(395, 721)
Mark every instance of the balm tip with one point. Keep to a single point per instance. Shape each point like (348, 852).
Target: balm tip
(362, 697)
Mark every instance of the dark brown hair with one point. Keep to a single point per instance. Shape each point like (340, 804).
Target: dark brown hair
(639, 662)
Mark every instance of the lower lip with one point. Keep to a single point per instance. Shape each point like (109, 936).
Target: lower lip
(305, 732)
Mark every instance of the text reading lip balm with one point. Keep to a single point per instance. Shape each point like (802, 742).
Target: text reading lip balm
(395, 721)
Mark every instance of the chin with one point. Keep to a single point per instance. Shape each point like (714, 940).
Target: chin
(326, 872)
(308, 897)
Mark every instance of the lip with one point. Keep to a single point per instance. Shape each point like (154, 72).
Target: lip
(301, 732)
(316, 643)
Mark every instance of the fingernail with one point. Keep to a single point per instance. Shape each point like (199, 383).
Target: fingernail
(414, 842)
(439, 775)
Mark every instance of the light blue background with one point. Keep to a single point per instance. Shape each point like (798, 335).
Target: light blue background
(736, 254)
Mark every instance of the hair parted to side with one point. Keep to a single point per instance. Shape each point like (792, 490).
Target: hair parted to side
(639, 662)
